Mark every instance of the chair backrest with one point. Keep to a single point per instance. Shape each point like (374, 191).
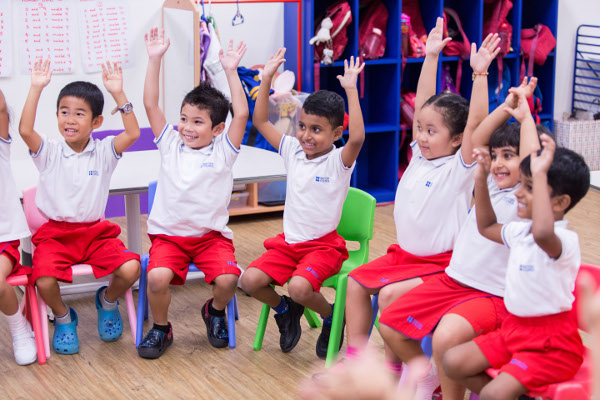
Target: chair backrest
(151, 193)
(358, 216)
(35, 219)
(594, 271)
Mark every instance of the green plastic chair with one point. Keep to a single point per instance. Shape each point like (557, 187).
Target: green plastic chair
(356, 225)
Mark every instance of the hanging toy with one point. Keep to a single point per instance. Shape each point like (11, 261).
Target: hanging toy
(238, 18)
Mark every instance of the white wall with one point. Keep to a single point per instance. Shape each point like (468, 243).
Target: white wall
(262, 31)
(571, 14)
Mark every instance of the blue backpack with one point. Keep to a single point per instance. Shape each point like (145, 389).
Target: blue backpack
(250, 83)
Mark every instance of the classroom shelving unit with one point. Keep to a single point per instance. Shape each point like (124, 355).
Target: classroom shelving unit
(377, 165)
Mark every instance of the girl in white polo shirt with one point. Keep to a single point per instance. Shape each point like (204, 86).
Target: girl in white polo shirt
(12, 228)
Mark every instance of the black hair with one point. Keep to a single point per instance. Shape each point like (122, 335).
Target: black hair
(324, 103)
(568, 174)
(206, 97)
(510, 135)
(85, 91)
(454, 109)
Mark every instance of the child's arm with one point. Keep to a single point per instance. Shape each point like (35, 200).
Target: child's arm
(112, 77)
(239, 103)
(427, 78)
(486, 217)
(40, 78)
(356, 126)
(3, 117)
(156, 46)
(528, 142)
(542, 226)
(478, 107)
(260, 117)
(501, 115)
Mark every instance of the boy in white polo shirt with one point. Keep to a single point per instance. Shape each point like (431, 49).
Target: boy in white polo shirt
(72, 193)
(318, 177)
(188, 221)
(12, 228)
(538, 342)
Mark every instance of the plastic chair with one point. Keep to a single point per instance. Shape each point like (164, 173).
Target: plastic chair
(356, 224)
(142, 314)
(35, 219)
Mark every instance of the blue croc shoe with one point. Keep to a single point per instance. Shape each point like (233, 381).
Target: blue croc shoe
(65, 340)
(110, 324)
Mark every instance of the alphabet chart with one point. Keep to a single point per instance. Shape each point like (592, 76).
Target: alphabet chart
(104, 33)
(46, 31)
(5, 39)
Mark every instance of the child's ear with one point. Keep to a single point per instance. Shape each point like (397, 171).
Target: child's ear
(456, 140)
(218, 129)
(97, 122)
(337, 133)
(560, 203)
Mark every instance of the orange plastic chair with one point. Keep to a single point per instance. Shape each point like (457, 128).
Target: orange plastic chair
(35, 219)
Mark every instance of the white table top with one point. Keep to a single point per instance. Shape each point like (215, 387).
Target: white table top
(595, 179)
(138, 168)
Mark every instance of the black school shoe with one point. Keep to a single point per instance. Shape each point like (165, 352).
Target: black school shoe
(323, 340)
(155, 343)
(289, 325)
(216, 328)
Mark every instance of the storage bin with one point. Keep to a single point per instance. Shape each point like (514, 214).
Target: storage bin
(239, 199)
(583, 137)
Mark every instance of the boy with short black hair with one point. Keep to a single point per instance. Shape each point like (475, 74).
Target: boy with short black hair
(72, 193)
(318, 177)
(188, 221)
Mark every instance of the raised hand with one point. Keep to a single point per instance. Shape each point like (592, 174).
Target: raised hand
(231, 60)
(351, 72)
(521, 111)
(481, 60)
(41, 73)
(484, 163)
(112, 77)
(540, 163)
(273, 63)
(156, 45)
(435, 41)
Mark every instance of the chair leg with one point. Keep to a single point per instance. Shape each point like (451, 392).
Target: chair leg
(333, 347)
(231, 322)
(426, 345)
(262, 326)
(43, 314)
(237, 314)
(31, 298)
(312, 318)
(375, 308)
(141, 309)
(131, 314)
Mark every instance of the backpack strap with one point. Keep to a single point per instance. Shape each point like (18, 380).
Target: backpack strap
(538, 29)
(317, 76)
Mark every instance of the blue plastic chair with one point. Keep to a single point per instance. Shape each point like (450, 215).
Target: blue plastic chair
(142, 308)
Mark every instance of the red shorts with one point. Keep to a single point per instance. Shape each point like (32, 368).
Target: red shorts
(212, 254)
(11, 251)
(399, 265)
(59, 245)
(536, 351)
(315, 260)
(416, 313)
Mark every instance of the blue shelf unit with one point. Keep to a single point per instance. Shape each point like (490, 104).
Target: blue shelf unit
(377, 165)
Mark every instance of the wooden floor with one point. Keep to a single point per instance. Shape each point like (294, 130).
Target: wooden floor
(191, 368)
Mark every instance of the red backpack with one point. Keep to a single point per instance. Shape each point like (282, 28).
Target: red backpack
(460, 45)
(371, 29)
(495, 13)
(340, 15)
(536, 44)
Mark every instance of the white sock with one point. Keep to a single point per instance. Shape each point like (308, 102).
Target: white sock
(24, 346)
(427, 385)
(106, 304)
(17, 323)
(63, 319)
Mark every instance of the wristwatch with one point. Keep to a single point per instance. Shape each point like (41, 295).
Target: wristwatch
(126, 109)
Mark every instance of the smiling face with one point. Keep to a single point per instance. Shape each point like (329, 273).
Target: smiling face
(75, 121)
(505, 166)
(195, 127)
(433, 136)
(316, 135)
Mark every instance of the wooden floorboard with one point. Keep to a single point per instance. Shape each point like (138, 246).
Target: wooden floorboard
(191, 368)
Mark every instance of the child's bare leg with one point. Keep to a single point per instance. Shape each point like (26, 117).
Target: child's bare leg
(401, 346)
(159, 295)
(9, 305)
(358, 313)
(451, 331)
(48, 288)
(503, 387)
(256, 283)
(223, 290)
(466, 364)
(302, 292)
(123, 278)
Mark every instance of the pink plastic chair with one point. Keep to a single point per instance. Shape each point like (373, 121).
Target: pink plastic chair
(35, 219)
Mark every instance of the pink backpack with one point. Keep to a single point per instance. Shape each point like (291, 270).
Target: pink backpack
(373, 21)
(495, 13)
(459, 46)
(417, 32)
(536, 44)
(341, 16)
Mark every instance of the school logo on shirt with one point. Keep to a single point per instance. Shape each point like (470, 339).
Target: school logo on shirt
(526, 268)
(428, 183)
(207, 165)
(322, 179)
(94, 173)
(510, 200)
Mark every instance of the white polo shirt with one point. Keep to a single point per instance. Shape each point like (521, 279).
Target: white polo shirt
(194, 187)
(315, 191)
(477, 261)
(432, 202)
(73, 187)
(13, 225)
(536, 284)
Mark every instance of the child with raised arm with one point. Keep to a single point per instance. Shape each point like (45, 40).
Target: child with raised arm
(13, 227)
(72, 193)
(188, 221)
(318, 177)
(433, 196)
(466, 299)
(538, 342)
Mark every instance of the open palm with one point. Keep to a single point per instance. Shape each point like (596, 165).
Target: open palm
(112, 77)
(156, 44)
(41, 73)
(351, 72)
(274, 62)
(231, 59)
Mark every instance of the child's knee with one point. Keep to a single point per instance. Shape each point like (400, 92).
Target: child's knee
(489, 392)
(300, 289)
(226, 282)
(129, 271)
(159, 280)
(46, 283)
(386, 297)
(252, 281)
(452, 363)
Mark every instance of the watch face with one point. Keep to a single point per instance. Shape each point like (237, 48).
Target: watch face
(127, 107)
